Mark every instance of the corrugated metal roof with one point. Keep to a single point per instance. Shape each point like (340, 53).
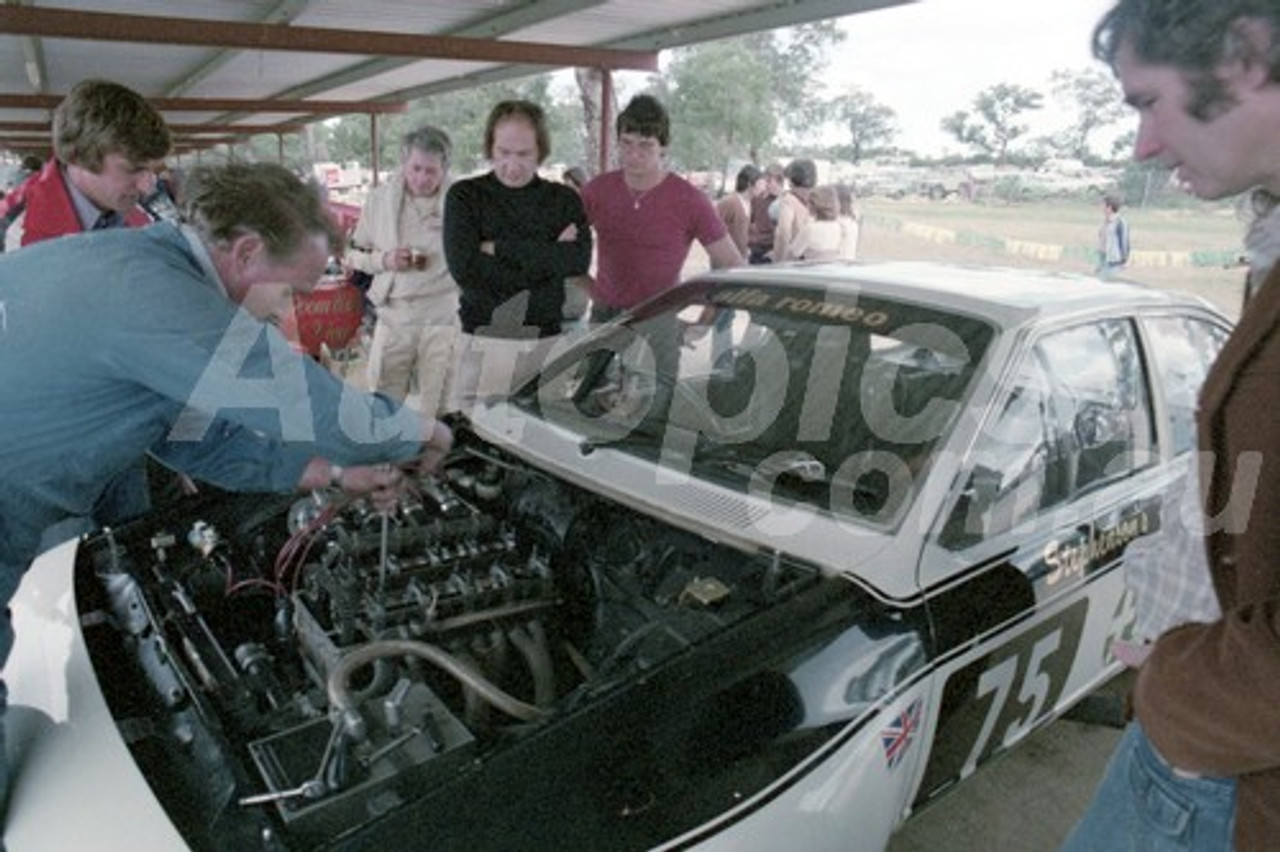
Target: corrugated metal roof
(353, 53)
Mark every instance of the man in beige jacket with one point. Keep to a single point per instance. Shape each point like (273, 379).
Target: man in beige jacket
(398, 240)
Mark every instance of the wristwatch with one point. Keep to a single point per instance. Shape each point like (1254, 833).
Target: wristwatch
(335, 475)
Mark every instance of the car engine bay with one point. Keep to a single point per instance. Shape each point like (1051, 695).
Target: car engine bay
(310, 664)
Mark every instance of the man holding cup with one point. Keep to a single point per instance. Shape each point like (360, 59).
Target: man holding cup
(398, 240)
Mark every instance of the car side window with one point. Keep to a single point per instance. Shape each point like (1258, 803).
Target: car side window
(1077, 416)
(1182, 349)
(1102, 408)
(1010, 477)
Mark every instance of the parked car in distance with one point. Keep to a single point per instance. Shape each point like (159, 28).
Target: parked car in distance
(769, 563)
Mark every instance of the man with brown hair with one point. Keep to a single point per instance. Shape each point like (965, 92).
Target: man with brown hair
(760, 233)
(646, 217)
(735, 207)
(109, 144)
(1199, 767)
(512, 240)
(793, 209)
(1113, 238)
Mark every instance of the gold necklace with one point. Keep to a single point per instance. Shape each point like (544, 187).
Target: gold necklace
(638, 195)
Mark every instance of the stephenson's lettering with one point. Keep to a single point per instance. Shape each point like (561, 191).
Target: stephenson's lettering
(1067, 560)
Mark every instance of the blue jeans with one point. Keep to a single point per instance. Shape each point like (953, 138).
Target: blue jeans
(1143, 806)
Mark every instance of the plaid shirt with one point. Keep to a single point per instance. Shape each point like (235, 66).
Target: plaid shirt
(1169, 573)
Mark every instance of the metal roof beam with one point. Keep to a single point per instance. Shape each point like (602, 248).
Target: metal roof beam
(282, 13)
(243, 129)
(228, 105)
(209, 141)
(756, 20)
(252, 129)
(726, 26)
(22, 150)
(492, 26)
(152, 29)
(179, 139)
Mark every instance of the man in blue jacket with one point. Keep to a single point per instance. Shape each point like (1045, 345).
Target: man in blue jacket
(1113, 238)
(122, 342)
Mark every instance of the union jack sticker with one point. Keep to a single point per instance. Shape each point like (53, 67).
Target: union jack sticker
(897, 736)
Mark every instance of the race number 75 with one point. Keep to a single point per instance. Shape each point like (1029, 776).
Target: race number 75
(992, 702)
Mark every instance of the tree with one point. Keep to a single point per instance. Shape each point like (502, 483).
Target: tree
(794, 59)
(348, 139)
(461, 114)
(727, 101)
(298, 149)
(1097, 103)
(729, 98)
(966, 131)
(1122, 147)
(870, 124)
(720, 104)
(993, 127)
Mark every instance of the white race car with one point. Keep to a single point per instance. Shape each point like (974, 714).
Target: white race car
(767, 564)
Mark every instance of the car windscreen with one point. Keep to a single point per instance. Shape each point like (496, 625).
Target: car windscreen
(836, 399)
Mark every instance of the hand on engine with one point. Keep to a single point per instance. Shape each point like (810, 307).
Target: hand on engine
(381, 483)
(436, 445)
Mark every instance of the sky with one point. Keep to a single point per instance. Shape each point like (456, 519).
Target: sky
(929, 59)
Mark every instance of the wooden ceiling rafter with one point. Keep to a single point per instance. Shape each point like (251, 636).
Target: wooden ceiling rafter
(482, 36)
(281, 105)
(153, 29)
(177, 129)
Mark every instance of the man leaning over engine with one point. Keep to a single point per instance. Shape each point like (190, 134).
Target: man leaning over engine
(121, 342)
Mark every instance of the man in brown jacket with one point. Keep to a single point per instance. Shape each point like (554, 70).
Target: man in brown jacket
(1200, 767)
(763, 221)
(735, 207)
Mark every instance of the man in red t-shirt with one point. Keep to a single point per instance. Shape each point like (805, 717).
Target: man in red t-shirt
(645, 217)
(645, 220)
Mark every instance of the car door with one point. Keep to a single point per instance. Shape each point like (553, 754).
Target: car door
(1023, 588)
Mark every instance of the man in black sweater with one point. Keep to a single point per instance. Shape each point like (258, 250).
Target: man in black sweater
(511, 240)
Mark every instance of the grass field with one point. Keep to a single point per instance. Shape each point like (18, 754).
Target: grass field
(1187, 249)
(1191, 249)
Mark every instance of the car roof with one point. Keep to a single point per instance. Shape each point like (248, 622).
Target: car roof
(1007, 296)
